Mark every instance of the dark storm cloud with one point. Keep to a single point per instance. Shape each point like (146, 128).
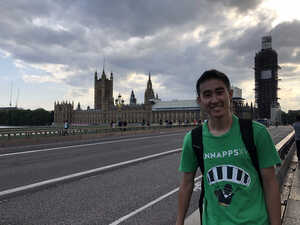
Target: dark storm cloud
(93, 26)
(286, 41)
(135, 18)
(241, 5)
(139, 36)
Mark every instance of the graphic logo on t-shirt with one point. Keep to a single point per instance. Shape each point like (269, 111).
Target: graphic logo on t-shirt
(227, 173)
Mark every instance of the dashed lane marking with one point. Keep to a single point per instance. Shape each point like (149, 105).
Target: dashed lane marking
(122, 219)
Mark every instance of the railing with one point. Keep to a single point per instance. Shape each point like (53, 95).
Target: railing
(10, 133)
(286, 153)
(284, 145)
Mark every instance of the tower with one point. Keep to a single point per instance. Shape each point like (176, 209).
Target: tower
(132, 98)
(63, 111)
(266, 78)
(103, 92)
(149, 93)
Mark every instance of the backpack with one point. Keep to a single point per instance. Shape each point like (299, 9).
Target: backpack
(248, 139)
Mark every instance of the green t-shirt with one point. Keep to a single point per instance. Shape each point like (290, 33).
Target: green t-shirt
(233, 193)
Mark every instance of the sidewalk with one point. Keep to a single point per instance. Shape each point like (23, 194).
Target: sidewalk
(292, 213)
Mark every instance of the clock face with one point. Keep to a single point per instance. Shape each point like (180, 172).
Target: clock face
(266, 74)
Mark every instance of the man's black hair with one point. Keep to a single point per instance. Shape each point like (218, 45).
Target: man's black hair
(212, 74)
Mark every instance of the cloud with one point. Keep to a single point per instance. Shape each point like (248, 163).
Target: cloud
(65, 42)
(241, 5)
(37, 79)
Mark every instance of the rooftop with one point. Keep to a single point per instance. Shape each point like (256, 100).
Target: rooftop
(176, 105)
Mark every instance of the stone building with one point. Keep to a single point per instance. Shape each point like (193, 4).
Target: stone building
(153, 110)
(107, 110)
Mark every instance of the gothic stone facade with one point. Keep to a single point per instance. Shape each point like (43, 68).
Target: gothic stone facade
(106, 110)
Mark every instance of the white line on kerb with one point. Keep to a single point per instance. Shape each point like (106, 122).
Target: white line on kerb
(122, 219)
(39, 185)
(84, 145)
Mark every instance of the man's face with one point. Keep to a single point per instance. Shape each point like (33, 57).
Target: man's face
(215, 98)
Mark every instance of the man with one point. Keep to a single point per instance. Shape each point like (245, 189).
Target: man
(296, 126)
(66, 127)
(227, 200)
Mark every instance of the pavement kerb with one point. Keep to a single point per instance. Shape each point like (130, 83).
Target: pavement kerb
(193, 219)
(10, 193)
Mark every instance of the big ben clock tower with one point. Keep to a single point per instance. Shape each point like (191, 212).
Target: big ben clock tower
(266, 78)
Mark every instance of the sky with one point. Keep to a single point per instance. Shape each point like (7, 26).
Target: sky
(50, 49)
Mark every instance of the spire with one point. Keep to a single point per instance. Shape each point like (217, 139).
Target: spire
(103, 74)
(149, 93)
(149, 84)
(103, 71)
(132, 98)
(111, 76)
(96, 77)
(103, 63)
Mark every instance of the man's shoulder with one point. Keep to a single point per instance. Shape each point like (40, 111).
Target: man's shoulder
(257, 126)
(188, 136)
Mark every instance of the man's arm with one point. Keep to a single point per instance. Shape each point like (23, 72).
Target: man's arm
(184, 196)
(272, 195)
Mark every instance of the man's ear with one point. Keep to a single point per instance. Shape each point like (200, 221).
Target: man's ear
(230, 93)
(198, 100)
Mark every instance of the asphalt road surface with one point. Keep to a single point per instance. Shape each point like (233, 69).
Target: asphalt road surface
(140, 193)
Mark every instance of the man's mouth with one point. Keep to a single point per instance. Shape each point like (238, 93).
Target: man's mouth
(216, 107)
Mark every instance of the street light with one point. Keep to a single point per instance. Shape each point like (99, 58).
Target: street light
(119, 102)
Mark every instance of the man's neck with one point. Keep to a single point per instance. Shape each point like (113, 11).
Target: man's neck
(219, 126)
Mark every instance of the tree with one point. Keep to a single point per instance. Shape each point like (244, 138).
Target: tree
(21, 117)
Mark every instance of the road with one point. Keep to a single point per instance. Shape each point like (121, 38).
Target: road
(137, 193)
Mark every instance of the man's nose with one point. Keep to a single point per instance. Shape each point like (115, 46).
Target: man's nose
(214, 98)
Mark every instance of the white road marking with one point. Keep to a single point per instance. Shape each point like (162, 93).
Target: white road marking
(122, 219)
(197, 186)
(84, 145)
(39, 185)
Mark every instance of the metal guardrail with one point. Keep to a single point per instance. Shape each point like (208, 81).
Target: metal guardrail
(284, 145)
(10, 133)
(286, 154)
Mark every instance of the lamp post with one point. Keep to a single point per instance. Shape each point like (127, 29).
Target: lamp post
(119, 102)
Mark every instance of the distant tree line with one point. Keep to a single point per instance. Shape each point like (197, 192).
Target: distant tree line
(290, 117)
(21, 117)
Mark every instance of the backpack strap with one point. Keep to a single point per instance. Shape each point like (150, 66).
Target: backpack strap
(198, 149)
(248, 139)
(198, 146)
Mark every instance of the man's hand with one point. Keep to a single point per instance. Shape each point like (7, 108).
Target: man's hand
(272, 195)
(184, 196)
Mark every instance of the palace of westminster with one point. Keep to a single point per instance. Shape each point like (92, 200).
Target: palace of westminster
(153, 110)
